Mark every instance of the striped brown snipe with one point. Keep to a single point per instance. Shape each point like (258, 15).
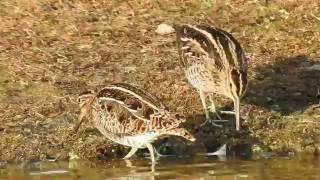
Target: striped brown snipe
(130, 116)
(214, 63)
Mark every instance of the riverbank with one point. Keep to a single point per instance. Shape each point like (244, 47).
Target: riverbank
(52, 50)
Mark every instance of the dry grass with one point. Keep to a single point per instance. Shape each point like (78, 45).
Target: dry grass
(50, 50)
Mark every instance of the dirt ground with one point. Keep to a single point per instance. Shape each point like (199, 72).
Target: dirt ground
(51, 50)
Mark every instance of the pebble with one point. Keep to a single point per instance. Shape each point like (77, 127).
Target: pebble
(269, 99)
(163, 29)
(3, 164)
(297, 94)
(315, 67)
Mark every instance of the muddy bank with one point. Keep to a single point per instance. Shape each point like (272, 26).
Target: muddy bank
(52, 50)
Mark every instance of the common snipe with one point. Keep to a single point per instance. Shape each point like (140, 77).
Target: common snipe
(130, 116)
(214, 62)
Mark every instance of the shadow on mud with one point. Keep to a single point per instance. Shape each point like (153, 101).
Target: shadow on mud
(288, 86)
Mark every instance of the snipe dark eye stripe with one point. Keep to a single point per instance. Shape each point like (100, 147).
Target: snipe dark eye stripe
(229, 50)
(192, 36)
(215, 44)
(220, 33)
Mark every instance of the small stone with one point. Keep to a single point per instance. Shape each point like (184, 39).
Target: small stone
(269, 99)
(26, 130)
(130, 69)
(51, 159)
(3, 164)
(163, 29)
(315, 67)
(243, 175)
(143, 50)
(18, 116)
(275, 107)
(84, 46)
(297, 94)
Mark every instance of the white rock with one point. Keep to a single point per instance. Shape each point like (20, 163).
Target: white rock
(164, 29)
(315, 67)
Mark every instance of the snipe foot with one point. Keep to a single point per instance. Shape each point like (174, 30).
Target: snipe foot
(131, 153)
(213, 122)
(227, 112)
(212, 109)
(151, 150)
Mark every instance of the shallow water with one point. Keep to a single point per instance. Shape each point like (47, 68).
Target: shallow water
(305, 167)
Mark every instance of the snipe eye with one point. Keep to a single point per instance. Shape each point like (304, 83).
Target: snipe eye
(178, 116)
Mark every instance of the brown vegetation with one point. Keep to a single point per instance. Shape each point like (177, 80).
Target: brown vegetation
(51, 50)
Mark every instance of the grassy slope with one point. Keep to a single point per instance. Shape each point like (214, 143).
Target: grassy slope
(50, 50)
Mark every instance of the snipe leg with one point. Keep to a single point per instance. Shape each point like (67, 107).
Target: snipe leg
(237, 112)
(212, 107)
(318, 97)
(227, 112)
(151, 150)
(131, 153)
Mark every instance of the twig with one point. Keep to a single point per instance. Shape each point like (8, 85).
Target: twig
(317, 18)
(307, 121)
